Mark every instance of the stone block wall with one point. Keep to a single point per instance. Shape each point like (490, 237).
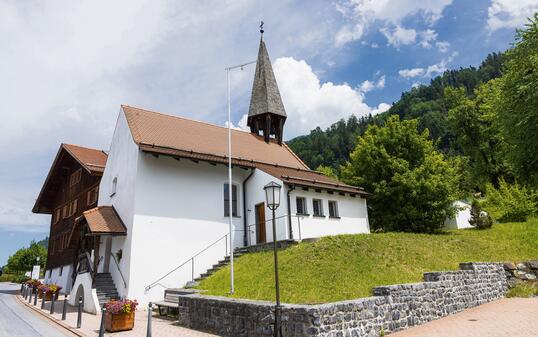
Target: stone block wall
(521, 272)
(392, 308)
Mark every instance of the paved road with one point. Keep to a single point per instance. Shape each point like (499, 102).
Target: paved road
(18, 321)
(507, 317)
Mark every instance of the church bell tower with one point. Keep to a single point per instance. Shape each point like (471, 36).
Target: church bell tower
(266, 113)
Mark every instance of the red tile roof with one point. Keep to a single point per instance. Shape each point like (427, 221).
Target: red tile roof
(103, 220)
(176, 136)
(91, 159)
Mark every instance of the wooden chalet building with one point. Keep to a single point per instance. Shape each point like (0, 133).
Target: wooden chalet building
(71, 187)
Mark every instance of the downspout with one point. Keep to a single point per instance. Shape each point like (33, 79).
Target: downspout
(245, 224)
(290, 188)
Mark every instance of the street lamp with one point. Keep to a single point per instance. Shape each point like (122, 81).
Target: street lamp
(272, 197)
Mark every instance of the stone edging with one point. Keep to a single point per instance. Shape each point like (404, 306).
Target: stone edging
(50, 318)
(392, 308)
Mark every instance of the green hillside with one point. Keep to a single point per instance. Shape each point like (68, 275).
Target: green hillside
(349, 266)
(331, 147)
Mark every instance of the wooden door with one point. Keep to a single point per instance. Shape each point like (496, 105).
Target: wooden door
(260, 223)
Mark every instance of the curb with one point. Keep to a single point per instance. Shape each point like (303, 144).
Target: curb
(52, 319)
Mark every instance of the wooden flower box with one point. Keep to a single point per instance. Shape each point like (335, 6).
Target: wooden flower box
(119, 322)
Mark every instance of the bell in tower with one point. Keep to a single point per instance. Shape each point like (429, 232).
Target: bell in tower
(266, 112)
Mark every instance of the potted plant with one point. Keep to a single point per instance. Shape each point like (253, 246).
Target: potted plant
(120, 315)
(49, 290)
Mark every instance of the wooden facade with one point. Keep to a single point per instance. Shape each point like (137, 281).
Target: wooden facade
(71, 188)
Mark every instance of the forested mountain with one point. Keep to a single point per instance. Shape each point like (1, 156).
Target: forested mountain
(331, 147)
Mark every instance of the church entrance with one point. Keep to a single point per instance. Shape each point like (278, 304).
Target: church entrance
(260, 223)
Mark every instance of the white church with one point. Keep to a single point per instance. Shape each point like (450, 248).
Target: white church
(163, 198)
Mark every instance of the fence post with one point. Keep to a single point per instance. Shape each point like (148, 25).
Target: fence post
(226, 243)
(35, 297)
(299, 223)
(64, 309)
(43, 295)
(150, 311)
(192, 269)
(102, 327)
(53, 299)
(22, 288)
(30, 294)
(79, 317)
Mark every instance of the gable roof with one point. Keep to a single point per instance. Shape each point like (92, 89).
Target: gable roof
(103, 220)
(157, 130)
(92, 160)
(180, 137)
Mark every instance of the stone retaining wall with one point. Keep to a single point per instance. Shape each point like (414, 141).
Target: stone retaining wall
(392, 308)
(521, 272)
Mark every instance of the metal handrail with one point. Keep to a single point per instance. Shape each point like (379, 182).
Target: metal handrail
(121, 274)
(298, 216)
(85, 256)
(191, 259)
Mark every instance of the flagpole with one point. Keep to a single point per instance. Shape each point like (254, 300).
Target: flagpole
(230, 186)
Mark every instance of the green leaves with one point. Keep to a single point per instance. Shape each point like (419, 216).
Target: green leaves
(412, 185)
(25, 258)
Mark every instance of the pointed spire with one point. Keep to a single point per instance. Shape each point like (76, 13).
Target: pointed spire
(266, 112)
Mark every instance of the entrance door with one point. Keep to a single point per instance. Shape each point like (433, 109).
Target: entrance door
(260, 223)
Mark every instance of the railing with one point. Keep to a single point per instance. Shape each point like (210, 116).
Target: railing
(118, 266)
(191, 260)
(298, 216)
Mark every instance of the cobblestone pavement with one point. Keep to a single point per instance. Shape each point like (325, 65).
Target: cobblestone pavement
(161, 327)
(507, 317)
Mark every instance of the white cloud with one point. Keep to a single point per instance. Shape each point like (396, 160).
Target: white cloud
(398, 35)
(510, 13)
(347, 34)
(363, 13)
(380, 82)
(442, 46)
(367, 86)
(310, 103)
(427, 38)
(430, 71)
(410, 73)
(382, 107)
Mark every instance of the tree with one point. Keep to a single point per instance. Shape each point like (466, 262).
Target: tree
(412, 186)
(25, 258)
(475, 124)
(478, 218)
(519, 104)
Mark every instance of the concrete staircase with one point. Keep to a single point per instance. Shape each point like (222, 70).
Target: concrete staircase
(106, 290)
(222, 263)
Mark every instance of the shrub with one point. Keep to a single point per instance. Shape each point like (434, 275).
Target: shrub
(524, 289)
(479, 219)
(510, 203)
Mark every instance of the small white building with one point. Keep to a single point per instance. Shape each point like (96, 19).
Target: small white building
(163, 197)
(461, 219)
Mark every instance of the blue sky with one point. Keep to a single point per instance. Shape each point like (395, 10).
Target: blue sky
(67, 67)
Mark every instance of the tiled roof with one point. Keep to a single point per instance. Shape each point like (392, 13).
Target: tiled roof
(103, 220)
(158, 130)
(93, 160)
(180, 137)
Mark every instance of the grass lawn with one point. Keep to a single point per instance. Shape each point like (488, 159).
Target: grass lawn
(349, 266)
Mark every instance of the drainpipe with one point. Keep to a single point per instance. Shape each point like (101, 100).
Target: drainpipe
(290, 188)
(245, 223)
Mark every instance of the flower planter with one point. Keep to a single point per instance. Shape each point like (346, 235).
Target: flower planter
(119, 322)
(48, 295)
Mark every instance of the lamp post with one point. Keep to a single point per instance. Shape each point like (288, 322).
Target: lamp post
(272, 197)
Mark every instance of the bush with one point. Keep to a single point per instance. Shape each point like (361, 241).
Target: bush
(510, 203)
(479, 219)
(15, 278)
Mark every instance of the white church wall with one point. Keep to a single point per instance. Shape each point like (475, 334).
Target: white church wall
(179, 210)
(352, 212)
(121, 165)
(256, 195)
